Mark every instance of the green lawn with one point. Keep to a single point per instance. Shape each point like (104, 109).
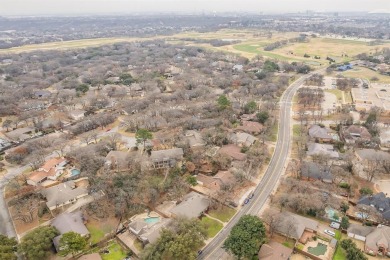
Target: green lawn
(116, 252)
(96, 234)
(222, 213)
(296, 130)
(212, 226)
(251, 48)
(336, 92)
(273, 133)
(289, 243)
(339, 254)
(338, 235)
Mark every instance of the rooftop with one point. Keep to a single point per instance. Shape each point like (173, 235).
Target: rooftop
(61, 193)
(192, 206)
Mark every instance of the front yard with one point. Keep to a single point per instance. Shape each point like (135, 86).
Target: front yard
(212, 226)
(223, 213)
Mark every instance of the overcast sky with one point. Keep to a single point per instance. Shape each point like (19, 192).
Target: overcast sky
(54, 7)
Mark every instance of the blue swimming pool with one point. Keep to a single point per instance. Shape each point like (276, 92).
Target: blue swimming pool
(74, 172)
(152, 220)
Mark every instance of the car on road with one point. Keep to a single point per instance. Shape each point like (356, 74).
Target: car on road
(246, 201)
(329, 232)
(251, 195)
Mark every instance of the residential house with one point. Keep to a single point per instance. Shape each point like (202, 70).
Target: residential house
(372, 155)
(233, 151)
(378, 201)
(20, 134)
(194, 138)
(320, 134)
(50, 170)
(192, 206)
(117, 160)
(63, 194)
(166, 158)
(248, 117)
(322, 149)
(274, 251)
(355, 133)
(242, 139)
(251, 127)
(216, 182)
(69, 222)
(148, 232)
(378, 241)
(77, 114)
(238, 67)
(359, 232)
(294, 226)
(314, 171)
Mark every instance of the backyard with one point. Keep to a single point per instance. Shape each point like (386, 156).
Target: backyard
(115, 252)
(99, 229)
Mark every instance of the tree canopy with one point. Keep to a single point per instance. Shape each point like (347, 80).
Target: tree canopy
(72, 242)
(223, 102)
(7, 248)
(353, 253)
(262, 116)
(250, 107)
(246, 237)
(142, 135)
(181, 242)
(36, 244)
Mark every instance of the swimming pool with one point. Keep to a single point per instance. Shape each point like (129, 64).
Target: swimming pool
(74, 172)
(152, 220)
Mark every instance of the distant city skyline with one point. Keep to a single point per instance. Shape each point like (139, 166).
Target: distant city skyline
(83, 7)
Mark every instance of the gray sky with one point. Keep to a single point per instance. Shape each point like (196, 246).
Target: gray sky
(53, 7)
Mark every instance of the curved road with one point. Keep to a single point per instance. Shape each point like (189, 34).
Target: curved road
(273, 173)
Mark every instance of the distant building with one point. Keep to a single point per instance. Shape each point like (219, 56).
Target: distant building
(355, 133)
(378, 201)
(345, 67)
(314, 171)
(320, 134)
(50, 170)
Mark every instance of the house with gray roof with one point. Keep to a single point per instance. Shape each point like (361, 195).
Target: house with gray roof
(192, 206)
(372, 155)
(359, 232)
(378, 241)
(63, 194)
(320, 134)
(355, 133)
(20, 134)
(293, 225)
(274, 251)
(242, 139)
(378, 201)
(314, 171)
(194, 138)
(322, 149)
(166, 158)
(69, 222)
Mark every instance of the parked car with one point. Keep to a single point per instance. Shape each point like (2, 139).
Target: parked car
(335, 225)
(329, 232)
(251, 194)
(246, 201)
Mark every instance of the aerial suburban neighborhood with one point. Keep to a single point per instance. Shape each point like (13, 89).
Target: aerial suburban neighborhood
(195, 136)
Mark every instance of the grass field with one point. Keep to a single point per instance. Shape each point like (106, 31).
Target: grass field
(359, 72)
(339, 254)
(116, 252)
(70, 44)
(222, 213)
(212, 226)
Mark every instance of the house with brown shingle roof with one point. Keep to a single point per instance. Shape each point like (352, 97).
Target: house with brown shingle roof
(274, 251)
(355, 133)
(233, 151)
(251, 127)
(50, 170)
(216, 182)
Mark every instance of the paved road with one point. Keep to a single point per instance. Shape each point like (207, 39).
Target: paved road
(273, 173)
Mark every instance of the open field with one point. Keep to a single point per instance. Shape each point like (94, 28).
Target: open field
(70, 44)
(252, 44)
(364, 73)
